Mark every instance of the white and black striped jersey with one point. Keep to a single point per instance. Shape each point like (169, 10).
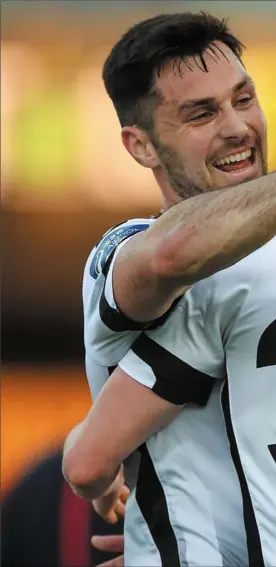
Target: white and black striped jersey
(108, 333)
(206, 491)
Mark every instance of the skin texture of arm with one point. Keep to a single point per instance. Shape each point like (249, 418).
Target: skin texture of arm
(113, 543)
(190, 242)
(111, 431)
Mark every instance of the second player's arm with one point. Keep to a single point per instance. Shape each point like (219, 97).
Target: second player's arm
(191, 241)
(111, 431)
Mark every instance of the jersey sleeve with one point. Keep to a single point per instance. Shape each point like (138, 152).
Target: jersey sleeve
(180, 360)
(108, 333)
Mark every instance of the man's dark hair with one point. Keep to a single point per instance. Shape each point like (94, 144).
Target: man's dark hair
(129, 71)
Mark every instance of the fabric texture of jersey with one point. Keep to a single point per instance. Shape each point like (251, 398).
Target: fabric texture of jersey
(206, 490)
(108, 333)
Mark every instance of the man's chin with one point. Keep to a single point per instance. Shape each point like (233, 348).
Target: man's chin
(230, 179)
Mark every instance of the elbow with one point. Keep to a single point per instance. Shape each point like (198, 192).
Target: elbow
(177, 259)
(83, 476)
(162, 263)
(69, 468)
(165, 263)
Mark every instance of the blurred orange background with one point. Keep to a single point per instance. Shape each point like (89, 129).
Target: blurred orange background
(65, 179)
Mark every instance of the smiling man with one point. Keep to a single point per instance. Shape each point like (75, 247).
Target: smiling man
(210, 131)
(189, 112)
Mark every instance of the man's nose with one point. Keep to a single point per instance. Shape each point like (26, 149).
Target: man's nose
(233, 125)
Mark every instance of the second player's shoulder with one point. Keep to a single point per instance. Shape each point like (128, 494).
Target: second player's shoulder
(221, 297)
(241, 276)
(218, 298)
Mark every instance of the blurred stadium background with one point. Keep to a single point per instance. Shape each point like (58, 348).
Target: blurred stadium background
(65, 179)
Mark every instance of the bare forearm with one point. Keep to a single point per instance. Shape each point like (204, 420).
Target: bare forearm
(210, 232)
(90, 490)
(112, 431)
(72, 437)
(191, 241)
(93, 490)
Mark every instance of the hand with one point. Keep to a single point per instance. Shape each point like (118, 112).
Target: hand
(111, 505)
(114, 544)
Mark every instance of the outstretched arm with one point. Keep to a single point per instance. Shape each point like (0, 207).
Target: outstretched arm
(191, 241)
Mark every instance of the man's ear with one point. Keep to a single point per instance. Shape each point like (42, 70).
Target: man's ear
(139, 146)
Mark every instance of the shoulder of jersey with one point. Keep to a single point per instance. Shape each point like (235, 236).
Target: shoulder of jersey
(111, 239)
(244, 271)
(251, 264)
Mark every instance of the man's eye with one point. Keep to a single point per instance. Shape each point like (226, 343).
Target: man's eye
(201, 116)
(245, 100)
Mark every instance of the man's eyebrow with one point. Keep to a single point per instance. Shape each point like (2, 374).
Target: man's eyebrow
(210, 101)
(243, 83)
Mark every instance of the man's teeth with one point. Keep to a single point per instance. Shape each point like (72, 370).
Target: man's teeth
(234, 157)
